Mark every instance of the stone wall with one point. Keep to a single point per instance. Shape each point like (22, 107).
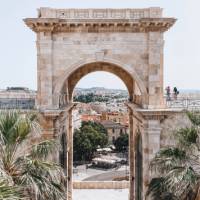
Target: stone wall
(100, 185)
(170, 125)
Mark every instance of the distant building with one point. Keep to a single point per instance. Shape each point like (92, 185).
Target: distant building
(114, 129)
(118, 117)
(17, 98)
(91, 117)
(99, 107)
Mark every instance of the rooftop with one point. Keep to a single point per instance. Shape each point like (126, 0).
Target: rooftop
(111, 124)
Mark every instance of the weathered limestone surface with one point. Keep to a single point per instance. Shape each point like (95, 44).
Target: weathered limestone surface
(126, 42)
(170, 125)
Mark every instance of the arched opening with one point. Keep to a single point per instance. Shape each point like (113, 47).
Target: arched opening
(67, 82)
(134, 95)
(107, 67)
(104, 109)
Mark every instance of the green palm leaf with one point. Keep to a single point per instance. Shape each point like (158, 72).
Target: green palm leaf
(26, 164)
(167, 159)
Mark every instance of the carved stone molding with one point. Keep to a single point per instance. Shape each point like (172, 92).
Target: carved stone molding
(106, 13)
(157, 114)
(120, 25)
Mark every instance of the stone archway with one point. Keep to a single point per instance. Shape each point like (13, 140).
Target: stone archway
(134, 85)
(67, 89)
(126, 42)
(105, 64)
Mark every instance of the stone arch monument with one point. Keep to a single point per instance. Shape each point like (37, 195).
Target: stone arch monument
(126, 42)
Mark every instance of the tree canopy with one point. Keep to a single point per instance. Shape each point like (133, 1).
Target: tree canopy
(122, 142)
(87, 139)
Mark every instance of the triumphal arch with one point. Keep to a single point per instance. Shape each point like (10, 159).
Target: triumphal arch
(126, 42)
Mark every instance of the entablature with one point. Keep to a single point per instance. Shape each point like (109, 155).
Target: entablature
(100, 25)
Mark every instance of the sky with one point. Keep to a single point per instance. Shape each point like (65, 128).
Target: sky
(18, 56)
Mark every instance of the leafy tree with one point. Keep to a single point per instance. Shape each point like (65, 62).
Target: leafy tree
(121, 143)
(87, 139)
(25, 172)
(177, 168)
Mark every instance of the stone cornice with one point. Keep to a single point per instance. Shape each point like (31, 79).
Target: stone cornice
(99, 25)
(158, 114)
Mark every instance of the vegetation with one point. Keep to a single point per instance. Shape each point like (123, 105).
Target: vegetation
(178, 167)
(87, 139)
(90, 97)
(121, 143)
(25, 172)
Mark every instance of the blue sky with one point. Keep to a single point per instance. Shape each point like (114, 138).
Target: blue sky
(18, 51)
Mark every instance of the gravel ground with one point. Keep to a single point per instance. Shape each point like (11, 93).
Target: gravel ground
(110, 194)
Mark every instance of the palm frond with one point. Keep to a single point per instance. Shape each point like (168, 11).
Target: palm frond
(181, 181)
(156, 187)
(187, 138)
(25, 164)
(168, 158)
(15, 127)
(158, 191)
(42, 179)
(194, 118)
(44, 148)
(8, 192)
(7, 189)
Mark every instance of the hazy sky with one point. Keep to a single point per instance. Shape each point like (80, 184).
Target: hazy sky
(18, 52)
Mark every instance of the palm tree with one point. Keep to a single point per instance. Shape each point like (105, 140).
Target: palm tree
(177, 168)
(7, 189)
(25, 164)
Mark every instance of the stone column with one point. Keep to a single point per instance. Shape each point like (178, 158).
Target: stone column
(133, 122)
(151, 145)
(70, 155)
(44, 59)
(145, 152)
(154, 130)
(155, 71)
(131, 156)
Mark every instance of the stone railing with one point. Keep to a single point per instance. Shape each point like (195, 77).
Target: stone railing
(183, 102)
(101, 184)
(155, 12)
(29, 103)
(180, 102)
